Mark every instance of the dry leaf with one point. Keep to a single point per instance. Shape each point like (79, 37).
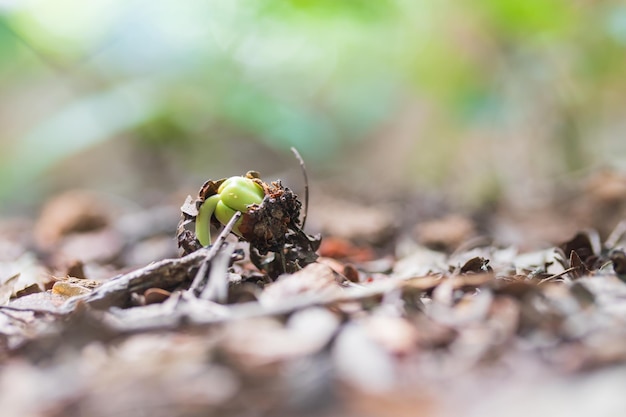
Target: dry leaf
(315, 280)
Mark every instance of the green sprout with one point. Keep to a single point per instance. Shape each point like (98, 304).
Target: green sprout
(265, 215)
(233, 195)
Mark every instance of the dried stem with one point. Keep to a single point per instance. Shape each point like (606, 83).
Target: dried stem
(217, 287)
(560, 274)
(306, 184)
(616, 235)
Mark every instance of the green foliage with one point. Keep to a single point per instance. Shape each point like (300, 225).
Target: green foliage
(524, 20)
(313, 74)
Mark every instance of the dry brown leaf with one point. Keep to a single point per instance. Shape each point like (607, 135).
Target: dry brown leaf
(72, 211)
(446, 233)
(351, 221)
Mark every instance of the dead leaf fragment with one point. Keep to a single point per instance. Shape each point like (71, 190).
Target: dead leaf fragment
(99, 246)
(28, 270)
(70, 287)
(395, 334)
(578, 268)
(6, 288)
(314, 280)
(75, 268)
(39, 301)
(72, 211)
(361, 362)
(354, 222)
(587, 247)
(156, 295)
(339, 248)
(265, 341)
(446, 233)
(31, 289)
(618, 257)
(476, 265)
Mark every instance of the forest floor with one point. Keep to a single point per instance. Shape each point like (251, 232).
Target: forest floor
(411, 308)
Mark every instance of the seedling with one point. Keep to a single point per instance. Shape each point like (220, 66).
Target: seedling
(270, 221)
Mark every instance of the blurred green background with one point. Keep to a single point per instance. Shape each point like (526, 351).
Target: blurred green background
(482, 99)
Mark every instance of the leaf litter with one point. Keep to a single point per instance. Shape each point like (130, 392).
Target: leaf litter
(440, 325)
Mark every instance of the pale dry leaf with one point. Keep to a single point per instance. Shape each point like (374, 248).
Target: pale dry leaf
(28, 269)
(39, 301)
(353, 221)
(393, 333)
(361, 362)
(70, 287)
(447, 232)
(70, 212)
(419, 263)
(262, 341)
(314, 326)
(99, 246)
(259, 342)
(6, 288)
(315, 280)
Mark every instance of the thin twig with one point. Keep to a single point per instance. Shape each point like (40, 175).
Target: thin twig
(217, 287)
(194, 315)
(306, 184)
(616, 235)
(198, 281)
(202, 271)
(560, 274)
(7, 309)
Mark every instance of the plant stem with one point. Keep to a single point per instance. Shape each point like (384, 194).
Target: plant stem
(203, 220)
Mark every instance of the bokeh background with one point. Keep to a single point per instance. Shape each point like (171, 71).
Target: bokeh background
(482, 100)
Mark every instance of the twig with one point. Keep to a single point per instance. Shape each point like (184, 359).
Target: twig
(116, 292)
(560, 274)
(199, 280)
(6, 311)
(616, 235)
(306, 184)
(217, 288)
(193, 314)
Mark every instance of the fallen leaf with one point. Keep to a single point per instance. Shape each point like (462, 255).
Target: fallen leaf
(7, 288)
(314, 280)
(395, 334)
(446, 233)
(361, 362)
(71, 289)
(72, 211)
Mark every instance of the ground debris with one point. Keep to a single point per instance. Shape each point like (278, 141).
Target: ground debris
(444, 317)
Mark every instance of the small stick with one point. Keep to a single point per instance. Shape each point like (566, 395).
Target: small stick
(616, 235)
(201, 275)
(116, 291)
(283, 263)
(5, 310)
(306, 184)
(217, 287)
(560, 274)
